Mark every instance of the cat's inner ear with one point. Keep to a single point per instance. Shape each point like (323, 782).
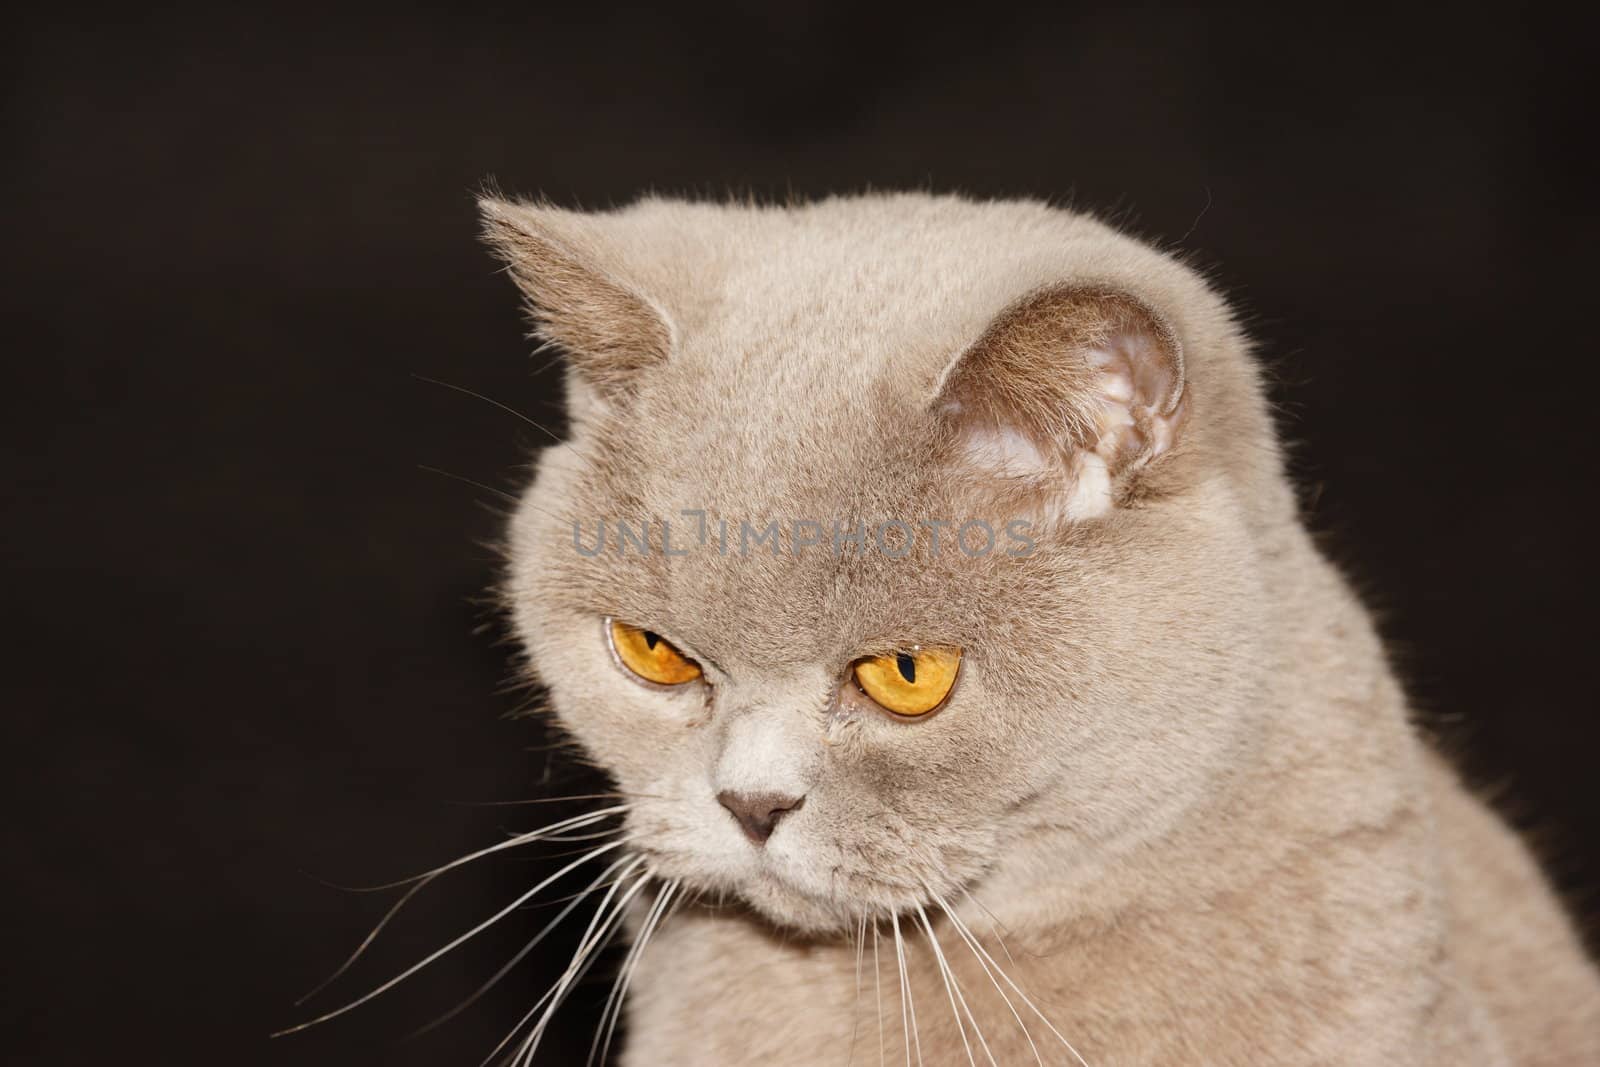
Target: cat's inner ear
(577, 292)
(1070, 391)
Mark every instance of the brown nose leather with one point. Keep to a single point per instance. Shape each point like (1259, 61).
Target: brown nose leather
(758, 813)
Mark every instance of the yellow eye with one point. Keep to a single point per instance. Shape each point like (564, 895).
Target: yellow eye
(649, 655)
(909, 683)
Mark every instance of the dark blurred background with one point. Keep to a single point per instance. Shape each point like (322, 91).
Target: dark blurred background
(245, 657)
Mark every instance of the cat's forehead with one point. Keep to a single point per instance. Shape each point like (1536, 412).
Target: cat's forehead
(806, 430)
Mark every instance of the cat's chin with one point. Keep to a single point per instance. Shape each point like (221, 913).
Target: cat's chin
(785, 905)
(782, 898)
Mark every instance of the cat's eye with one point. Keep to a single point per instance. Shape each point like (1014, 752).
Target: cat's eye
(909, 683)
(649, 655)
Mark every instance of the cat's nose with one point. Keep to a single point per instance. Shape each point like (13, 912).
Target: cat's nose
(758, 813)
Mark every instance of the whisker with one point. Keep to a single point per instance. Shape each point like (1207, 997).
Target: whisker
(953, 985)
(561, 855)
(970, 940)
(496, 917)
(614, 924)
(944, 975)
(877, 988)
(552, 800)
(523, 838)
(418, 881)
(476, 485)
(978, 949)
(581, 962)
(1011, 1007)
(995, 925)
(613, 1004)
(522, 954)
(579, 895)
(855, 1010)
(619, 989)
(601, 919)
(367, 941)
(489, 400)
(516, 501)
(567, 838)
(907, 1003)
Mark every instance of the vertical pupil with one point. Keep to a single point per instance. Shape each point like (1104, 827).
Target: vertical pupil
(907, 665)
(651, 639)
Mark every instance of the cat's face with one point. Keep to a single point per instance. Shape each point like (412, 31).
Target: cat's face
(820, 375)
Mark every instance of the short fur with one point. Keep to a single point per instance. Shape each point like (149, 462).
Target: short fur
(1176, 778)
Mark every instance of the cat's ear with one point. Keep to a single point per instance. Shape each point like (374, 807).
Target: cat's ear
(578, 293)
(1073, 390)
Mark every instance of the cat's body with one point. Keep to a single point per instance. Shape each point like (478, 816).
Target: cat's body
(1175, 795)
(1302, 963)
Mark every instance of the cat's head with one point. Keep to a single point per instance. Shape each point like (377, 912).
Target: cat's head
(893, 536)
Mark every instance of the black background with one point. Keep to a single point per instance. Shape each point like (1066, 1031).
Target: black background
(245, 656)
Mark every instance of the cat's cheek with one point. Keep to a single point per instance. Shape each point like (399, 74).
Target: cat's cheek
(624, 725)
(635, 727)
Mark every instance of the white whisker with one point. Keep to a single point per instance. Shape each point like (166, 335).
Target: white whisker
(527, 837)
(367, 941)
(579, 837)
(567, 799)
(877, 989)
(907, 1003)
(583, 959)
(952, 988)
(508, 409)
(994, 924)
(619, 988)
(955, 1012)
(855, 1010)
(522, 954)
(496, 917)
(978, 949)
(418, 881)
(583, 946)
(997, 988)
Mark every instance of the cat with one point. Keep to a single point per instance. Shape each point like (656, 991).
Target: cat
(1114, 773)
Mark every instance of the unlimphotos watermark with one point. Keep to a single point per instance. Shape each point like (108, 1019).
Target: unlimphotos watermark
(895, 538)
